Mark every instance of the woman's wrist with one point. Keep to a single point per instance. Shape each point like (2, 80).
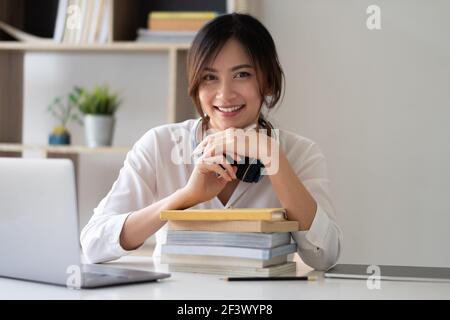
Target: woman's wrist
(270, 154)
(184, 198)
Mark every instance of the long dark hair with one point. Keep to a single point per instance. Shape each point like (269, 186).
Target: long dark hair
(260, 47)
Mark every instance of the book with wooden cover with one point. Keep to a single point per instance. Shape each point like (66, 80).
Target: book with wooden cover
(235, 226)
(267, 214)
(176, 24)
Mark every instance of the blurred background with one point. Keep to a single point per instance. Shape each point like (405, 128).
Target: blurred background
(376, 100)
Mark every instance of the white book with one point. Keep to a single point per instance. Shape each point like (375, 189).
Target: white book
(233, 239)
(96, 20)
(288, 268)
(73, 24)
(60, 21)
(88, 8)
(188, 259)
(104, 24)
(251, 253)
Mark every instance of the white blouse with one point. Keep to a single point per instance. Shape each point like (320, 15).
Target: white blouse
(159, 164)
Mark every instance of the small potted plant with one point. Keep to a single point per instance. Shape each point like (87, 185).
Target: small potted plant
(99, 107)
(64, 113)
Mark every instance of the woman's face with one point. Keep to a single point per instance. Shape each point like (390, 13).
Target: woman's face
(229, 92)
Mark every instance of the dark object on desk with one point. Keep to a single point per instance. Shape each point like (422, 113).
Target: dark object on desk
(403, 273)
(270, 278)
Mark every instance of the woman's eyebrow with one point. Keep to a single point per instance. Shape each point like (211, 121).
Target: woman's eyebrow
(240, 66)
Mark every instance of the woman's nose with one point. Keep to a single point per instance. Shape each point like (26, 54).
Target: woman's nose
(225, 91)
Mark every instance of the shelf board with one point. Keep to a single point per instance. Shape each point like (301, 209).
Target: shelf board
(11, 147)
(127, 46)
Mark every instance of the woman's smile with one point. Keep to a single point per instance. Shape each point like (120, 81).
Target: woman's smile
(230, 111)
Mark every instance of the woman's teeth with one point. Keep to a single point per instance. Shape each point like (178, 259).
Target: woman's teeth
(230, 109)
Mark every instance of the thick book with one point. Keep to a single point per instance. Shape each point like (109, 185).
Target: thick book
(250, 253)
(268, 214)
(288, 268)
(235, 226)
(230, 239)
(190, 259)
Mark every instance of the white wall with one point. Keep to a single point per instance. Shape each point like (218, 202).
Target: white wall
(378, 103)
(142, 80)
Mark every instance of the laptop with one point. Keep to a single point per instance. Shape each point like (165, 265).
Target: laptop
(39, 235)
(386, 272)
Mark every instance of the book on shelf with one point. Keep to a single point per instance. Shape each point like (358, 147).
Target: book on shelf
(235, 226)
(60, 21)
(231, 239)
(190, 259)
(179, 20)
(268, 214)
(83, 21)
(251, 253)
(276, 270)
(145, 35)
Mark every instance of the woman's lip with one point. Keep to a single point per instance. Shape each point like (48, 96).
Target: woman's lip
(230, 114)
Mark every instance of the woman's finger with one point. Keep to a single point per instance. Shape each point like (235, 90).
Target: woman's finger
(213, 160)
(219, 166)
(221, 172)
(229, 169)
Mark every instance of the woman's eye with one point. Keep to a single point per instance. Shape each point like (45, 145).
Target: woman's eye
(242, 74)
(209, 77)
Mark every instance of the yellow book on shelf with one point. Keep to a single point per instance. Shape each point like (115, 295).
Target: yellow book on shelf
(268, 214)
(182, 15)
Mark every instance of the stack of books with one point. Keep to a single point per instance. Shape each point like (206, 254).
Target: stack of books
(178, 26)
(234, 242)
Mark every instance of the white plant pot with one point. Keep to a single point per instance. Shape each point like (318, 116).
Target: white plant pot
(99, 130)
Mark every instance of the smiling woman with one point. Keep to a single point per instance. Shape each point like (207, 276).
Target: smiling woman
(234, 73)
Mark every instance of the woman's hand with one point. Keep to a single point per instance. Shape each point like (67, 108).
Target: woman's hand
(249, 143)
(211, 174)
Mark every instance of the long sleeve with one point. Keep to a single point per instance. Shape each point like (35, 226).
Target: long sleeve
(134, 189)
(320, 246)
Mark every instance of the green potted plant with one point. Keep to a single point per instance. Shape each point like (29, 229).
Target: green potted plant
(99, 107)
(64, 113)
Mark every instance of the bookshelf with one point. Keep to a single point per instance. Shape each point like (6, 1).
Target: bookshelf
(126, 16)
(38, 18)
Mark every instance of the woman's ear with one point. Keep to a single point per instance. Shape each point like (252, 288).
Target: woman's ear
(268, 98)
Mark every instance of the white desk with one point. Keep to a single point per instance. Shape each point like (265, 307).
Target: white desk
(181, 286)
